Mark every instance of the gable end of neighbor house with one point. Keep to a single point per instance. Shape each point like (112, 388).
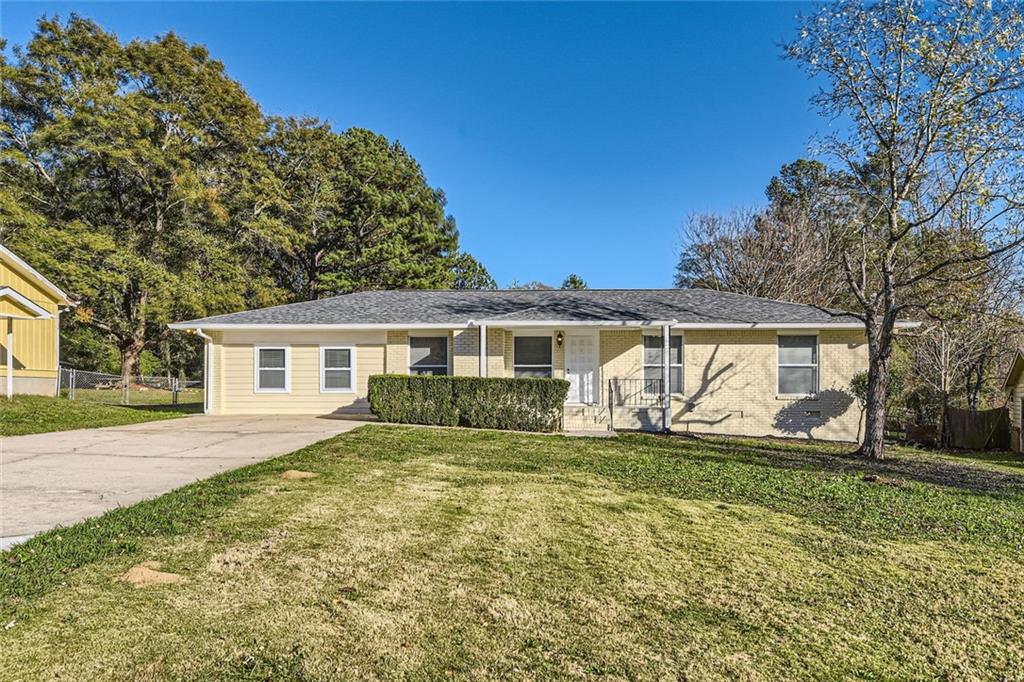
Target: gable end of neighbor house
(30, 307)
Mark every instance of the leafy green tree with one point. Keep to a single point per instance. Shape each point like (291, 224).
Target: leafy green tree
(119, 163)
(469, 273)
(574, 281)
(355, 212)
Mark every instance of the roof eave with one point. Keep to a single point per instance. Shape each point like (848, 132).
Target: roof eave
(510, 324)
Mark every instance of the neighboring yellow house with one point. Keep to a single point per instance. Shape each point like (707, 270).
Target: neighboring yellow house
(1014, 387)
(30, 307)
(734, 364)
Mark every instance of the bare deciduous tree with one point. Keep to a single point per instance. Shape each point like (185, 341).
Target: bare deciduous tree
(933, 149)
(759, 253)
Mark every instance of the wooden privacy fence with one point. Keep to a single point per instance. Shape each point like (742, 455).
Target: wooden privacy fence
(978, 429)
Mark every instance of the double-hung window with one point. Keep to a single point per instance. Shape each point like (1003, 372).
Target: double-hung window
(798, 364)
(653, 347)
(531, 356)
(337, 369)
(428, 355)
(272, 369)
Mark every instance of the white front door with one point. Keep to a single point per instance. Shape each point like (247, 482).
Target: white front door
(581, 367)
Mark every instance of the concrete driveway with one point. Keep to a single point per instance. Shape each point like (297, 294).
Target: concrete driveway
(52, 479)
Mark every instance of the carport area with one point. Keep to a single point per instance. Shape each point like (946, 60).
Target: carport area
(52, 479)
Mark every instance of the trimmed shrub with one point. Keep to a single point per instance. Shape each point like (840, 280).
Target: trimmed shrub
(487, 403)
(413, 399)
(508, 403)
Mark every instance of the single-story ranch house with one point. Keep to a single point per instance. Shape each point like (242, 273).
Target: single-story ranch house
(734, 364)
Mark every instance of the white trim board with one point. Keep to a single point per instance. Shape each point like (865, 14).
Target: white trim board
(19, 299)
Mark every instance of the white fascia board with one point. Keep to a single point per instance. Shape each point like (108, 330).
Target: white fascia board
(511, 324)
(508, 324)
(39, 313)
(313, 327)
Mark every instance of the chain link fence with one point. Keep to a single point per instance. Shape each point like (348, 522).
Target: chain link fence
(76, 384)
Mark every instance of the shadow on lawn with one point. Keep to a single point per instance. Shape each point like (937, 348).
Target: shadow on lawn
(919, 468)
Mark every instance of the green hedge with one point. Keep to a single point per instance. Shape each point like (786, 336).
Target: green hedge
(489, 403)
(413, 399)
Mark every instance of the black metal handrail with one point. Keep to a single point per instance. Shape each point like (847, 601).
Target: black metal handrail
(635, 392)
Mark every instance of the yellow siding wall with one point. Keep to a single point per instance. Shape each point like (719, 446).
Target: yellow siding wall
(233, 372)
(35, 341)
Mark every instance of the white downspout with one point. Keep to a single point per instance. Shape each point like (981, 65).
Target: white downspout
(207, 370)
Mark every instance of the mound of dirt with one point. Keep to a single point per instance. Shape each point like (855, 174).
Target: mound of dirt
(884, 480)
(148, 573)
(295, 474)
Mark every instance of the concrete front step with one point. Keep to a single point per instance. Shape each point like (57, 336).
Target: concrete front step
(585, 418)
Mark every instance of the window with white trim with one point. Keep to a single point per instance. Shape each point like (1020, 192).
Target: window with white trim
(271, 369)
(652, 364)
(337, 369)
(531, 356)
(428, 355)
(798, 364)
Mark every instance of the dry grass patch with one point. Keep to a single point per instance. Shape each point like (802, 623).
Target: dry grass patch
(296, 475)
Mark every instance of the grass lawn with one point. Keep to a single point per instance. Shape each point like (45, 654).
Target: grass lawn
(423, 553)
(38, 414)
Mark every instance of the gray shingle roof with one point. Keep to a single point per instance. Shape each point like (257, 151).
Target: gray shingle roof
(457, 307)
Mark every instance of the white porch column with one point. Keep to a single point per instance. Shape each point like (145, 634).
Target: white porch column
(10, 358)
(666, 388)
(483, 350)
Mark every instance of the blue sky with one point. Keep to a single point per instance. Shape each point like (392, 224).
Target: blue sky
(568, 137)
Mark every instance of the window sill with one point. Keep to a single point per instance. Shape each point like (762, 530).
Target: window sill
(271, 390)
(796, 396)
(337, 390)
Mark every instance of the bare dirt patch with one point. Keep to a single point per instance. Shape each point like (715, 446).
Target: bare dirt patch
(295, 475)
(148, 573)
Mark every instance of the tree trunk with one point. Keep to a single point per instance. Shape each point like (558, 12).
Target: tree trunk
(131, 355)
(879, 357)
(132, 345)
